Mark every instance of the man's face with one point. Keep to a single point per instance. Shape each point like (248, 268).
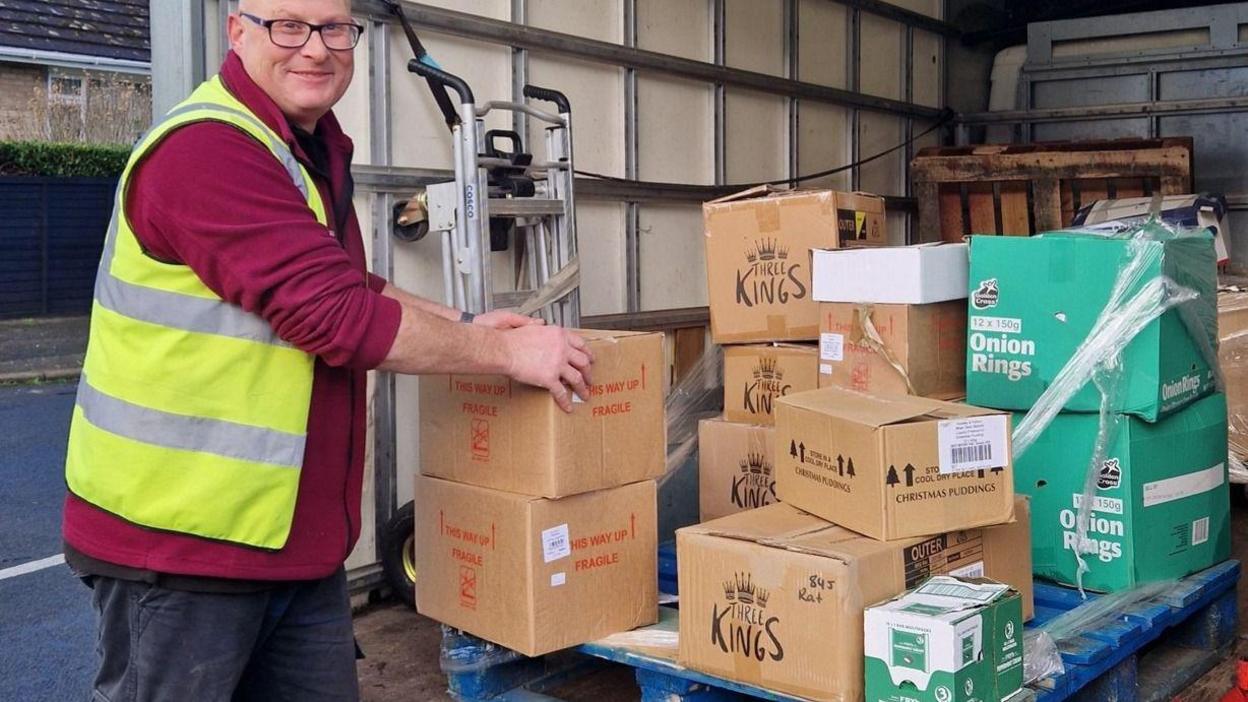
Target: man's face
(305, 83)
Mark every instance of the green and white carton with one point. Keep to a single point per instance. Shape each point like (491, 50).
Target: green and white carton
(1034, 300)
(949, 640)
(1161, 505)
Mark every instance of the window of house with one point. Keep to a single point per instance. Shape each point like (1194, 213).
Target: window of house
(65, 90)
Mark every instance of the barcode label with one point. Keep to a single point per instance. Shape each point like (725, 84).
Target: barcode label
(972, 452)
(974, 443)
(555, 543)
(974, 570)
(1200, 531)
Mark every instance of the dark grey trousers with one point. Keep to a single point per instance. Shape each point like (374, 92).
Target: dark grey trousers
(293, 642)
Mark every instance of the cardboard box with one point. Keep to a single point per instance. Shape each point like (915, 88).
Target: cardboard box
(894, 349)
(1162, 503)
(1233, 358)
(1199, 211)
(532, 574)
(736, 467)
(907, 275)
(949, 640)
(756, 375)
(758, 261)
(1035, 299)
(894, 466)
(809, 582)
(496, 433)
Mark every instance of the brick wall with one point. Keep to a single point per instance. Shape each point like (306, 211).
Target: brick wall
(20, 86)
(115, 108)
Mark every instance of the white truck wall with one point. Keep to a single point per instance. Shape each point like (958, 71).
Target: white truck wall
(766, 136)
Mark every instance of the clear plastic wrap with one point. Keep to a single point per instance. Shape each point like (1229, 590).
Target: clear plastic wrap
(698, 395)
(1135, 301)
(1041, 658)
(1233, 357)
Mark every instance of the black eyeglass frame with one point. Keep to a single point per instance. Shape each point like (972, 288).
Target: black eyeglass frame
(312, 28)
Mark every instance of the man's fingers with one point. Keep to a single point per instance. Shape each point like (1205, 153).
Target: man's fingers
(573, 379)
(563, 398)
(580, 361)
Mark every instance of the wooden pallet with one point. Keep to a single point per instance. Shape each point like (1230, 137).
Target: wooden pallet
(1023, 189)
(1144, 651)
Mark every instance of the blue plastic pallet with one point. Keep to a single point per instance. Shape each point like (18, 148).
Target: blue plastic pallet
(1120, 656)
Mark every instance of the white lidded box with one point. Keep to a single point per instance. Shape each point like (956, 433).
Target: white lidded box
(896, 274)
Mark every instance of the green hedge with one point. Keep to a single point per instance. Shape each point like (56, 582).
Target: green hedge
(40, 158)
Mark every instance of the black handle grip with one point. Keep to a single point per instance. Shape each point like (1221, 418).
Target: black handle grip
(561, 100)
(494, 134)
(456, 83)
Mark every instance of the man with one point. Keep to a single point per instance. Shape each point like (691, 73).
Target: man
(215, 460)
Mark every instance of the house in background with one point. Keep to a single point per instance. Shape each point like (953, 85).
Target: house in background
(75, 70)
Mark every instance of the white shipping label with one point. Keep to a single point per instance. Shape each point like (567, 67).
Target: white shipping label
(555, 543)
(1000, 325)
(974, 443)
(557, 579)
(825, 369)
(974, 570)
(1160, 492)
(831, 347)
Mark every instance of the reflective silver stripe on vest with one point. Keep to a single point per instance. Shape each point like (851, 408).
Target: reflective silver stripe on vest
(199, 434)
(284, 154)
(175, 310)
(189, 312)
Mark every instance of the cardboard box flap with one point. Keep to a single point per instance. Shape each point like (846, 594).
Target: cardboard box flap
(605, 334)
(877, 410)
(750, 193)
(772, 523)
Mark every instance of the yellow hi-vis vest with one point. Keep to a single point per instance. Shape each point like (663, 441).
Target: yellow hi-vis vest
(192, 413)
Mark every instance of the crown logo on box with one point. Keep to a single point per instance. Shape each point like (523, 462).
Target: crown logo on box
(767, 250)
(755, 463)
(741, 589)
(767, 370)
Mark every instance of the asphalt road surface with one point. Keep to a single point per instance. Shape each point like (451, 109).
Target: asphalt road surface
(47, 630)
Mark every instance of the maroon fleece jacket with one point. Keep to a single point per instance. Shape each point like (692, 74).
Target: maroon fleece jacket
(214, 199)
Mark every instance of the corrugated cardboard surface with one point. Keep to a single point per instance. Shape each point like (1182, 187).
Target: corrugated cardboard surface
(867, 347)
(736, 467)
(871, 463)
(756, 375)
(532, 574)
(798, 629)
(493, 432)
(758, 261)
(1233, 358)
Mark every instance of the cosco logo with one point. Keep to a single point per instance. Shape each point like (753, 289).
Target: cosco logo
(470, 202)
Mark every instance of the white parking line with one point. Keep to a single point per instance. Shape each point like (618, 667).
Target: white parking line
(32, 566)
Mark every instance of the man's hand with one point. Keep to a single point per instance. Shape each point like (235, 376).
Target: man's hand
(499, 319)
(549, 357)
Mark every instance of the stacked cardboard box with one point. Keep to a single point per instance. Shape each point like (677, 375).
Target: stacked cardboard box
(1159, 504)
(759, 278)
(523, 511)
(892, 320)
(877, 491)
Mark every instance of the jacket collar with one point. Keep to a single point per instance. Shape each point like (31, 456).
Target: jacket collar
(239, 83)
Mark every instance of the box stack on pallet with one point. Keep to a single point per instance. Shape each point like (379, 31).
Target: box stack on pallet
(762, 310)
(523, 510)
(877, 491)
(912, 434)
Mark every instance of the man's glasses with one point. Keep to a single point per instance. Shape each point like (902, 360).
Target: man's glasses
(294, 34)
